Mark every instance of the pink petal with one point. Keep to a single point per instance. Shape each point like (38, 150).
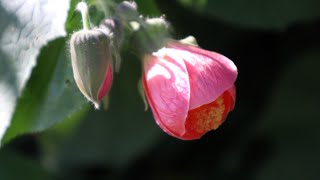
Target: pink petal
(154, 110)
(210, 73)
(106, 84)
(167, 89)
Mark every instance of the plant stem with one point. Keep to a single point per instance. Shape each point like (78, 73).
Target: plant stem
(83, 8)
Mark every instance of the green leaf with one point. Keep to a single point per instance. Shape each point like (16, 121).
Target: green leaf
(50, 96)
(25, 26)
(292, 121)
(52, 139)
(118, 135)
(275, 14)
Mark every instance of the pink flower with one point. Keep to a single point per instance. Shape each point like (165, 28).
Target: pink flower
(190, 90)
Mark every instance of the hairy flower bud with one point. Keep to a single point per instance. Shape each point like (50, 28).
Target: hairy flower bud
(159, 22)
(127, 10)
(92, 63)
(113, 28)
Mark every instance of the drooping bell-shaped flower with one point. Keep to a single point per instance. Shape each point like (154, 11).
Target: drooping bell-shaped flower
(190, 90)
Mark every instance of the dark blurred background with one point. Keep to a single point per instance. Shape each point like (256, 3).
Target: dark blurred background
(271, 134)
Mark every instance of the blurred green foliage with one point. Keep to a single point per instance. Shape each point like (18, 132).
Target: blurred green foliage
(271, 134)
(272, 14)
(15, 166)
(25, 28)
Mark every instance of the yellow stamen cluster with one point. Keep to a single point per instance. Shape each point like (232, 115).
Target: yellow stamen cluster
(206, 117)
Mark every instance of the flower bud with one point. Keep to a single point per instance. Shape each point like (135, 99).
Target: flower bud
(159, 22)
(158, 29)
(127, 11)
(113, 28)
(92, 63)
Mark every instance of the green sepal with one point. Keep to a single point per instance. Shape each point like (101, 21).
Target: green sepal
(142, 94)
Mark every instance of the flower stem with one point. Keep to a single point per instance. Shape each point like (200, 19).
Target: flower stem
(82, 7)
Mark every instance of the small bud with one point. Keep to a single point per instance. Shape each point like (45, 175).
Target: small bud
(152, 35)
(159, 22)
(113, 28)
(92, 63)
(127, 11)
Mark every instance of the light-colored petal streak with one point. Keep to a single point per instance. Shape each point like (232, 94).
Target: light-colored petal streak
(210, 73)
(168, 92)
